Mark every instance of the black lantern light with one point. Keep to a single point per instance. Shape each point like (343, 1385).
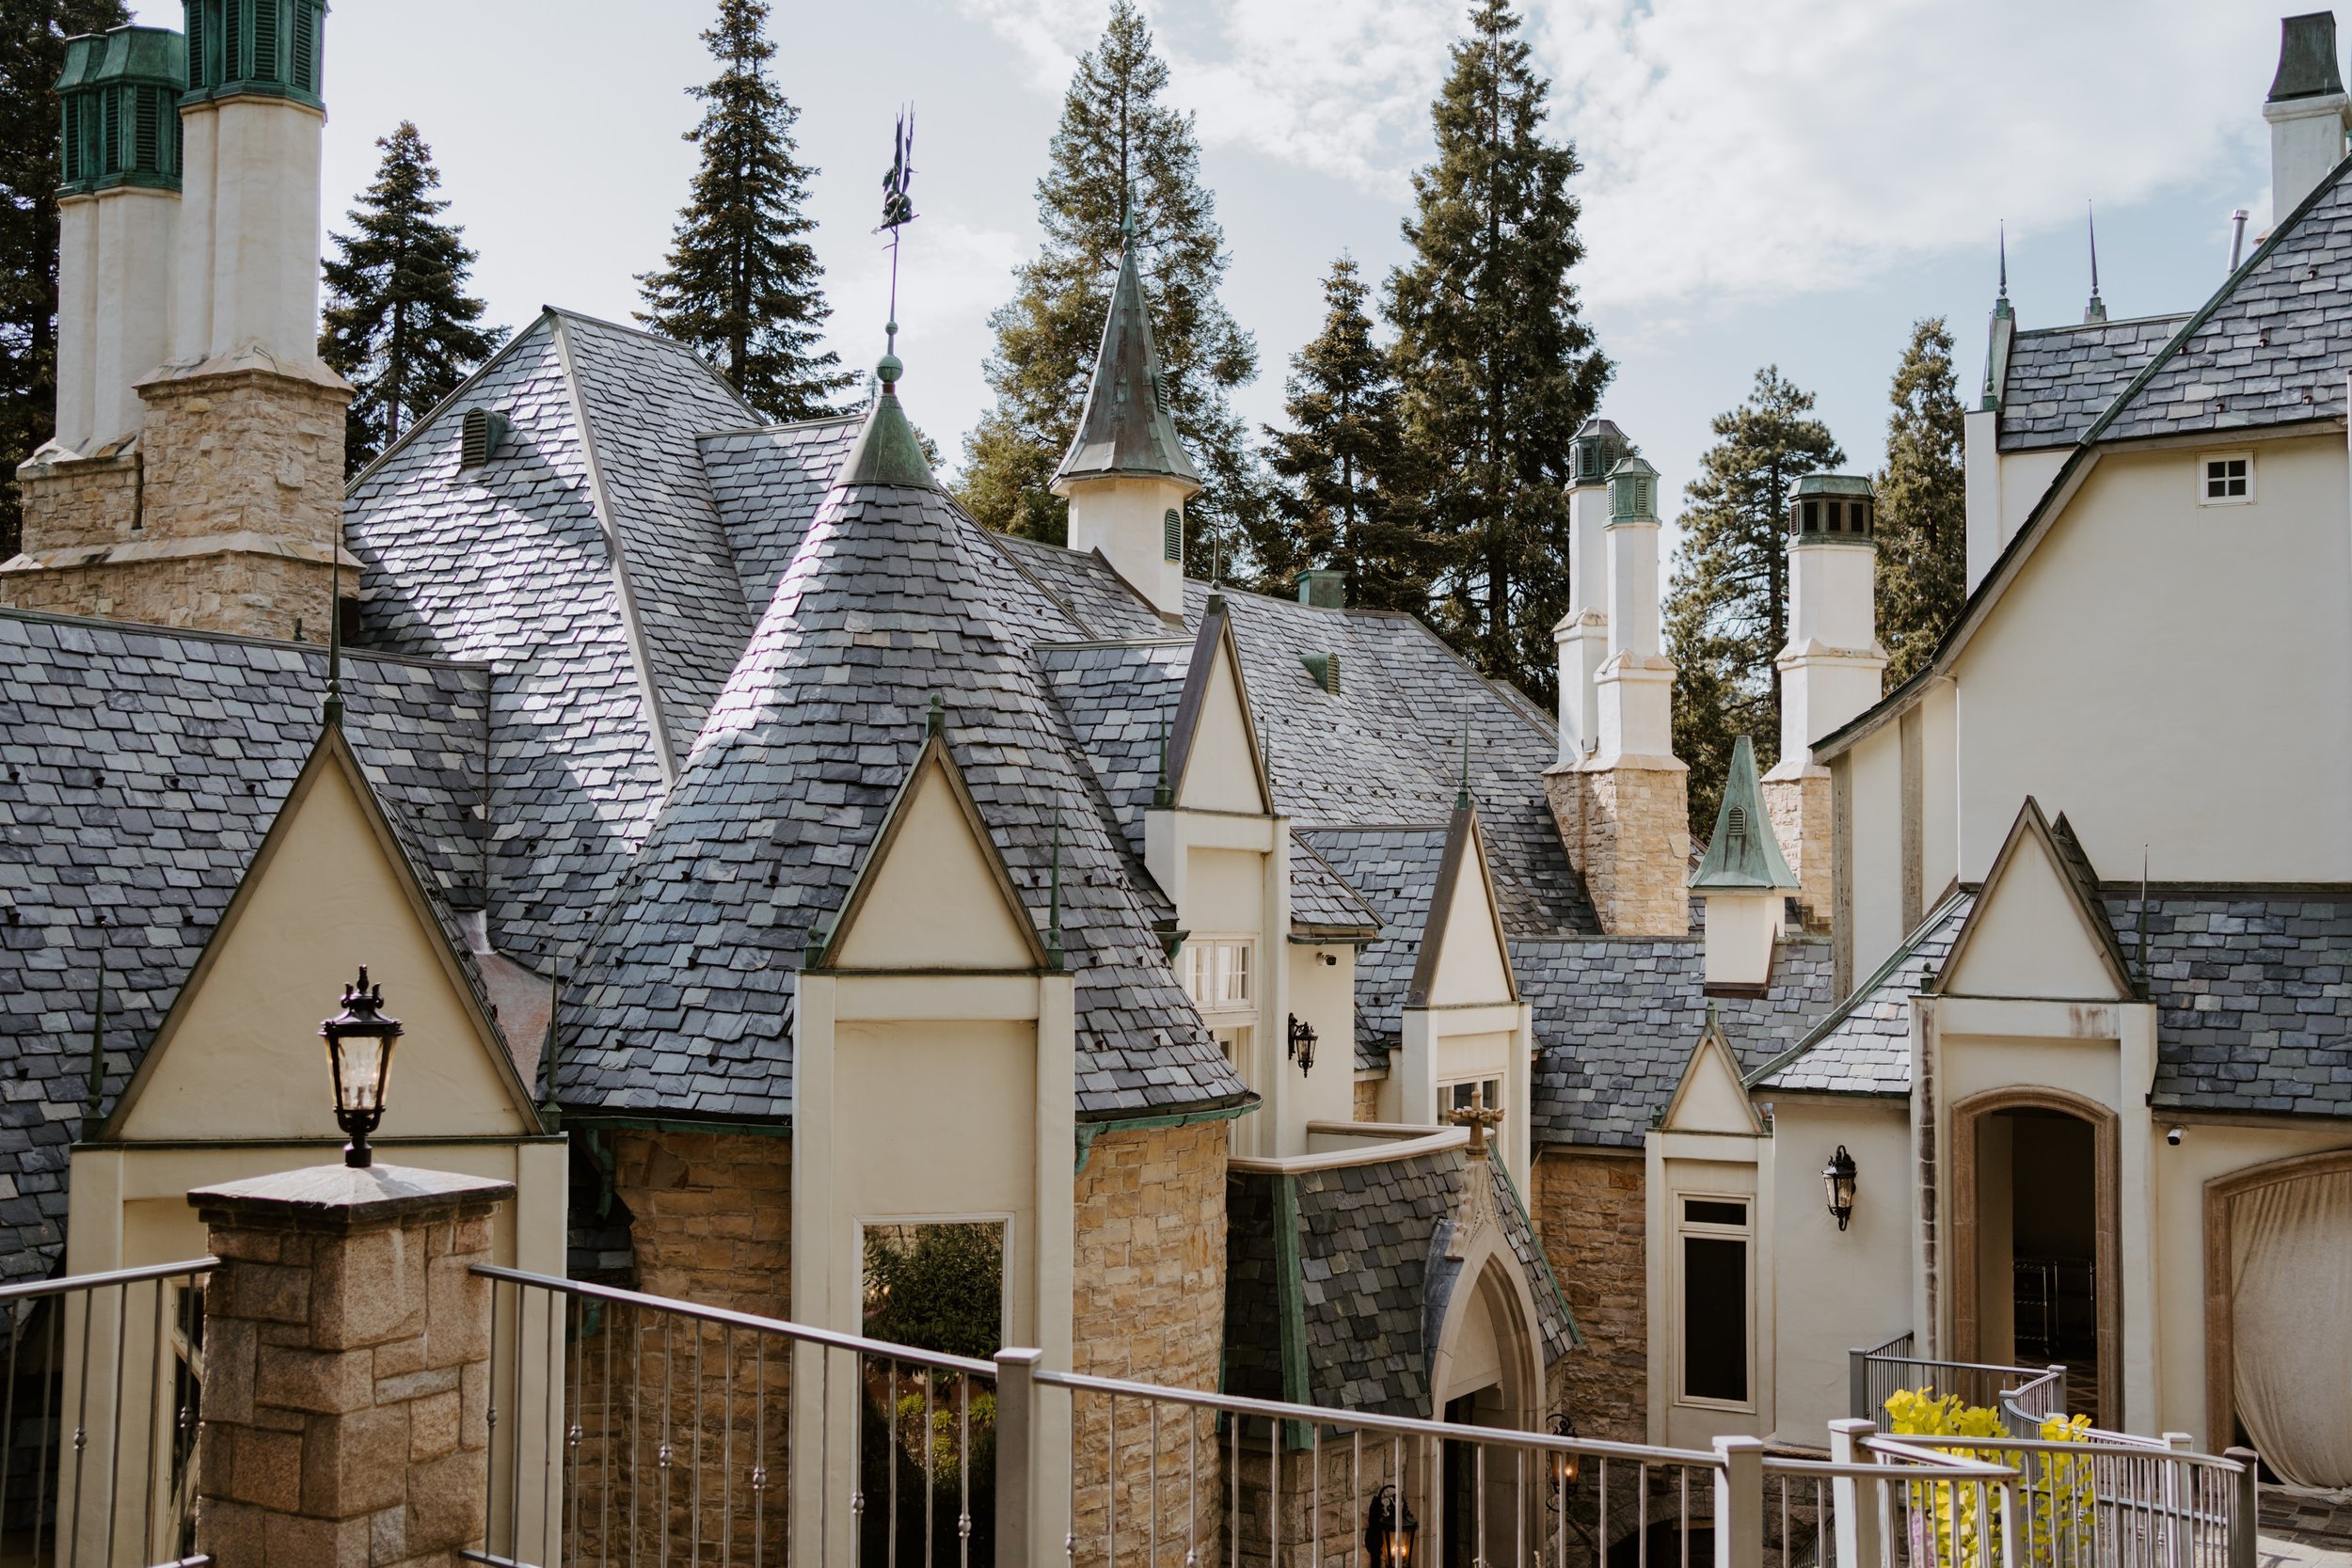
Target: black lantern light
(1563, 1463)
(1302, 1043)
(1389, 1531)
(1838, 1178)
(359, 1055)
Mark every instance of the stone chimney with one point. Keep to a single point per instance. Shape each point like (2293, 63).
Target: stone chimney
(1623, 810)
(1831, 667)
(1582, 634)
(2308, 111)
(1127, 475)
(226, 513)
(1746, 884)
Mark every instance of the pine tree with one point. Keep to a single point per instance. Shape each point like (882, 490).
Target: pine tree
(743, 284)
(1117, 142)
(1923, 505)
(1728, 613)
(32, 53)
(1498, 368)
(399, 323)
(1346, 500)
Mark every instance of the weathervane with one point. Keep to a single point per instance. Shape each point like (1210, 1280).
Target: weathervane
(897, 212)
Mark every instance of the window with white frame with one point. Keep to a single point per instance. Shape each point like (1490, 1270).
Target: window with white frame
(1715, 1298)
(1218, 974)
(1469, 1094)
(2226, 479)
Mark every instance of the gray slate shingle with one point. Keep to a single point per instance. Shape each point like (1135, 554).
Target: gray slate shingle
(2062, 378)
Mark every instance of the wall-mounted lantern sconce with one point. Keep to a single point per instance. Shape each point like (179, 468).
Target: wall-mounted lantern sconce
(359, 1055)
(1389, 1531)
(1302, 1044)
(1838, 1178)
(1564, 1464)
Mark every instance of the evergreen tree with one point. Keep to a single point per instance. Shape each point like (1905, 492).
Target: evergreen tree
(743, 283)
(1498, 368)
(1922, 505)
(1117, 143)
(32, 53)
(1346, 500)
(1728, 613)
(399, 323)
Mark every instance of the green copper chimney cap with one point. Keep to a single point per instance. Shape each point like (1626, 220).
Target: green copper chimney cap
(2307, 57)
(118, 110)
(1743, 856)
(887, 450)
(256, 48)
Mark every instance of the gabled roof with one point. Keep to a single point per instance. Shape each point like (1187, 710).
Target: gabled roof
(1212, 647)
(1742, 854)
(2032, 833)
(1126, 427)
(1322, 904)
(1864, 1045)
(1465, 859)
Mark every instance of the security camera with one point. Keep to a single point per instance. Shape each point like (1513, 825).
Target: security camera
(2172, 1136)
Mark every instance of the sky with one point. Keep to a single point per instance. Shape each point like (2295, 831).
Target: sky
(1782, 182)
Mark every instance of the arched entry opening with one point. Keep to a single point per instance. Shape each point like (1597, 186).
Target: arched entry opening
(2279, 1315)
(1488, 1372)
(2034, 1264)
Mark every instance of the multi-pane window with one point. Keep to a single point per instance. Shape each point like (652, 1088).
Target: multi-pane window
(2229, 479)
(1217, 973)
(1711, 1239)
(1470, 1094)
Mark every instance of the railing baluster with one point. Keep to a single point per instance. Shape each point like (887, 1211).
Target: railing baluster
(890, 1425)
(1273, 1493)
(81, 1440)
(931, 1475)
(964, 1469)
(726, 1446)
(1315, 1504)
(575, 1428)
(1151, 1494)
(694, 1497)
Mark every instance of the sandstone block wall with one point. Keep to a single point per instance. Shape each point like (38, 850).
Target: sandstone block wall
(1367, 1105)
(1634, 827)
(1150, 1306)
(1799, 812)
(244, 450)
(89, 501)
(239, 591)
(1589, 1210)
(346, 1397)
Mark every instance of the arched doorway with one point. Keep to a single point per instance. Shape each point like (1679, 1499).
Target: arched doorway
(1488, 1372)
(2034, 1262)
(2279, 1314)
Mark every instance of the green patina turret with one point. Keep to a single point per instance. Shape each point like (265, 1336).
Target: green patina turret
(1832, 509)
(1632, 491)
(1743, 856)
(1594, 452)
(1127, 428)
(887, 452)
(118, 110)
(267, 48)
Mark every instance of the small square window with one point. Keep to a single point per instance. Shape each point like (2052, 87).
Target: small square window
(2226, 479)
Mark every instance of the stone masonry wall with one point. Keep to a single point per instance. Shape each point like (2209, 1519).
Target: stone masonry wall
(1367, 1104)
(1799, 809)
(712, 1226)
(1636, 829)
(1150, 1306)
(244, 450)
(246, 594)
(1590, 1209)
(87, 500)
(347, 1395)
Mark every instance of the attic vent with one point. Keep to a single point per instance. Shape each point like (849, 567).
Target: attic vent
(265, 42)
(1172, 534)
(1324, 669)
(1159, 389)
(484, 438)
(1735, 822)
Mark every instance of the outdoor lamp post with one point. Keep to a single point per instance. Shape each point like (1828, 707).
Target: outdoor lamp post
(1838, 1178)
(1302, 1043)
(1389, 1531)
(359, 1055)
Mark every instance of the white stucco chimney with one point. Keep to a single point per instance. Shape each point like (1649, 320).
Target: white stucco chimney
(1833, 665)
(1582, 634)
(117, 212)
(2308, 111)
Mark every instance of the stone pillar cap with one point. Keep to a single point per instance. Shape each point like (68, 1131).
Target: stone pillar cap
(336, 1197)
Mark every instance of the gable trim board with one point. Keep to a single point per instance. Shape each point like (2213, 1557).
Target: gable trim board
(333, 751)
(934, 762)
(1465, 844)
(2075, 471)
(1711, 1057)
(648, 690)
(2063, 853)
(1214, 647)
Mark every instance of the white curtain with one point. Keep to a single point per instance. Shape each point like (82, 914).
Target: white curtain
(2291, 1315)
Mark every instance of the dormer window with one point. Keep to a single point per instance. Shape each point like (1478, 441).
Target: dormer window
(2227, 479)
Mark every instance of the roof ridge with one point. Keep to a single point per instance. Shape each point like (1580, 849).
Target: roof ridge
(206, 634)
(567, 313)
(2061, 327)
(780, 425)
(1903, 953)
(416, 427)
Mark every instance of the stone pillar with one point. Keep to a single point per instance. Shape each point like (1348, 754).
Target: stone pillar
(347, 1368)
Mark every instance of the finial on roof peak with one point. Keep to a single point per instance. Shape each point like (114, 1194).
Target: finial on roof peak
(935, 721)
(2001, 239)
(2097, 309)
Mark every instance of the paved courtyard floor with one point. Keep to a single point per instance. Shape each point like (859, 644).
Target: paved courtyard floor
(2302, 1533)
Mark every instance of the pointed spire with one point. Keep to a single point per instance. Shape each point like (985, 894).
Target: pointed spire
(1743, 856)
(93, 1108)
(2002, 240)
(551, 1115)
(887, 451)
(1127, 427)
(2097, 309)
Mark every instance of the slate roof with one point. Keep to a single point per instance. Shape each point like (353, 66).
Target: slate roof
(1864, 1046)
(685, 1002)
(1090, 589)
(1322, 903)
(767, 484)
(1615, 1021)
(1373, 1284)
(1126, 426)
(139, 770)
(1395, 871)
(2062, 378)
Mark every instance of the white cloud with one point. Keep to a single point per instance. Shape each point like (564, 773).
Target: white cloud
(1738, 149)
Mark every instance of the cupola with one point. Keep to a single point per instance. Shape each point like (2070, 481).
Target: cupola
(269, 48)
(1594, 451)
(1633, 492)
(1832, 509)
(118, 108)
(1745, 882)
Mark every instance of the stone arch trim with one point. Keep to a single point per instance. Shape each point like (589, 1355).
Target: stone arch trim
(1491, 1280)
(2106, 1256)
(2221, 1341)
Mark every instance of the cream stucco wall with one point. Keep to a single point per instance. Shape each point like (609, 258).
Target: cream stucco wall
(114, 307)
(934, 899)
(1127, 520)
(1874, 820)
(248, 263)
(1323, 994)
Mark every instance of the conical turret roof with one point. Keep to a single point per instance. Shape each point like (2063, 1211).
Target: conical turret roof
(1126, 427)
(1743, 856)
(685, 1002)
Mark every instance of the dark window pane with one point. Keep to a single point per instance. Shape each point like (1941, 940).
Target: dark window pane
(1714, 1318)
(1702, 1211)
